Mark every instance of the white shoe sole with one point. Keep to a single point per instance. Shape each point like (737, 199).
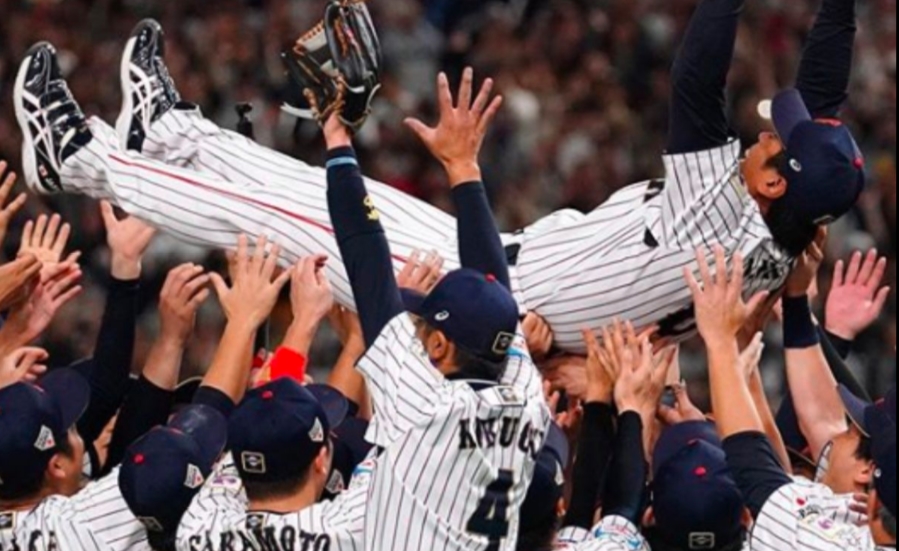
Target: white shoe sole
(29, 162)
(126, 115)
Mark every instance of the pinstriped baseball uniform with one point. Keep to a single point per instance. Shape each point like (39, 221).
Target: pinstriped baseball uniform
(612, 534)
(204, 185)
(218, 519)
(457, 456)
(808, 517)
(96, 519)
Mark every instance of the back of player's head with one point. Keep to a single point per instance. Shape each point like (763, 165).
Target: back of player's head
(350, 450)
(696, 501)
(164, 470)
(540, 511)
(35, 421)
(279, 431)
(474, 311)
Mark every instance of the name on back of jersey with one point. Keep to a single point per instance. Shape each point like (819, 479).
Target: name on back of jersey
(259, 537)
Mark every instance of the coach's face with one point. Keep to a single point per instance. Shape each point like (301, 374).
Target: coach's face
(849, 472)
(65, 471)
(764, 181)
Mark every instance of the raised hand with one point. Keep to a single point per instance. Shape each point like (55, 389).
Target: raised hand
(457, 139)
(857, 300)
(683, 411)
(751, 358)
(128, 240)
(568, 373)
(421, 275)
(254, 288)
(8, 211)
(17, 280)
(804, 278)
(184, 291)
(721, 311)
(347, 326)
(31, 318)
(46, 239)
(539, 335)
(311, 297)
(600, 381)
(22, 365)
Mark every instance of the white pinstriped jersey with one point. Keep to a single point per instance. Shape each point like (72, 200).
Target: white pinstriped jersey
(809, 517)
(218, 519)
(96, 519)
(206, 185)
(456, 461)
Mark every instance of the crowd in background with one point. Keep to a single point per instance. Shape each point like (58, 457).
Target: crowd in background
(586, 84)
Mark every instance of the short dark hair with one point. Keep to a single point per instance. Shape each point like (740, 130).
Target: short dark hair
(865, 450)
(779, 162)
(24, 489)
(264, 491)
(541, 537)
(470, 365)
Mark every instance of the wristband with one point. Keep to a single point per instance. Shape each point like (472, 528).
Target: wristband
(799, 325)
(288, 363)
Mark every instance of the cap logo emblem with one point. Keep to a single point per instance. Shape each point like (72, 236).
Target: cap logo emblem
(317, 434)
(253, 463)
(702, 540)
(442, 316)
(195, 477)
(796, 165)
(45, 440)
(503, 343)
(336, 484)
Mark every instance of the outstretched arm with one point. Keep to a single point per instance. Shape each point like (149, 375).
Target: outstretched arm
(698, 119)
(456, 143)
(827, 62)
(360, 235)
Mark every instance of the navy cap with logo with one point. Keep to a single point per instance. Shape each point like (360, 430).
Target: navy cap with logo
(34, 421)
(280, 428)
(696, 501)
(473, 310)
(548, 485)
(164, 470)
(825, 169)
(878, 422)
(350, 449)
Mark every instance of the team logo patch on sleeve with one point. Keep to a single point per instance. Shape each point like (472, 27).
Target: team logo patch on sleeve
(255, 521)
(7, 521)
(336, 484)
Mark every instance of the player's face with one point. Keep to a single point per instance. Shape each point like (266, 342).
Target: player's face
(847, 472)
(763, 180)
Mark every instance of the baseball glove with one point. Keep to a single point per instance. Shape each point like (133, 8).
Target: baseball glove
(337, 66)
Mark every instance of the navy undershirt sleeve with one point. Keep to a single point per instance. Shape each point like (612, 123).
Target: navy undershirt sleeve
(627, 481)
(698, 118)
(826, 66)
(756, 468)
(591, 470)
(147, 406)
(480, 245)
(363, 244)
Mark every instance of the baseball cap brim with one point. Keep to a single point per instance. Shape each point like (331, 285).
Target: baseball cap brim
(789, 112)
(70, 391)
(678, 437)
(857, 409)
(333, 403)
(413, 301)
(207, 427)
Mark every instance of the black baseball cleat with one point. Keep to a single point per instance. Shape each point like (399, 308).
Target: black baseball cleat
(148, 91)
(53, 126)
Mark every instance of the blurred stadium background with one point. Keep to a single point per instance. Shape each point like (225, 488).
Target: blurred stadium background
(586, 83)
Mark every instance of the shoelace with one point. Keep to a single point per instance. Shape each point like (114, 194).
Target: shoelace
(62, 112)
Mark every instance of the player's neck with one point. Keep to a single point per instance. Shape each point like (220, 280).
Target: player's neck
(306, 497)
(26, 504)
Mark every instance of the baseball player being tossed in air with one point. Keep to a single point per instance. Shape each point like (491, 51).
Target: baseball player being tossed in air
(167, 164)
(459, 412)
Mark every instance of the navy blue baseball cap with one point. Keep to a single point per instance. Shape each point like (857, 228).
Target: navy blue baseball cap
(350, 449)
(548, 485)
(825, 169)
(696, 501)
(34, 420)
(878, 422)
(280, 428)
(475, 311)
(163, 471)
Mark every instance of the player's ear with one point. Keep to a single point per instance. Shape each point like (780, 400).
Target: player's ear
(322, 463)
(747, 520)
(561, 508)
(649, 518)
(439, 348)
(864, 477)
(775, 188)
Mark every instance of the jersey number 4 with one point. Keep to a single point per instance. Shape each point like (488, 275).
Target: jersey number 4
(492, 517)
